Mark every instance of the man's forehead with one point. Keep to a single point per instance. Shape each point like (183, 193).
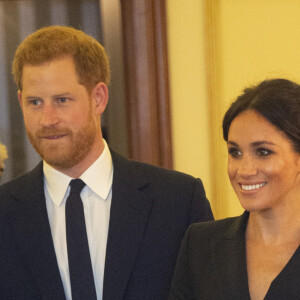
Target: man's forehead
(49, 62)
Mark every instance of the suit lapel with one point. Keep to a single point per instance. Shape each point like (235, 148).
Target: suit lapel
(130, 209)
(29, 220)
(229, 256)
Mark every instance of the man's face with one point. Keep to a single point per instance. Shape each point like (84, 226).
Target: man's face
(61, 118)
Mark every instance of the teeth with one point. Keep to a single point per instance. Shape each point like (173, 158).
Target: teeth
(253, 186)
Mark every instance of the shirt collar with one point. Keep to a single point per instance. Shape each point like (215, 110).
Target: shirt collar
(98, 177)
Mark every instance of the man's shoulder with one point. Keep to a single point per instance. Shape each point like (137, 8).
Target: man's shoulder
(179, 193)
(27, 181)
(129, 167)
(12, 185)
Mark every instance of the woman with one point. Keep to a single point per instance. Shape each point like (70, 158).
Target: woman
(256, 255)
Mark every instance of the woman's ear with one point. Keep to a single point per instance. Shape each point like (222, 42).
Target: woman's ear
(100, 97)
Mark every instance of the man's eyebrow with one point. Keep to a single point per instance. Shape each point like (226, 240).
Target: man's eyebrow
(62, 95)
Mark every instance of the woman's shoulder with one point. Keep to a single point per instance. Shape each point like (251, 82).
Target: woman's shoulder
(217, 228)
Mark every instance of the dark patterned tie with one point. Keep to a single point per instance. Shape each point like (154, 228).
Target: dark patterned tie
(80, 266)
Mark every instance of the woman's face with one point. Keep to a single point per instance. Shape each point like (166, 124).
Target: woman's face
(262, 166)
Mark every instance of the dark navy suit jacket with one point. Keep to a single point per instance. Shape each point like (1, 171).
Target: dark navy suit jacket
(150, 211)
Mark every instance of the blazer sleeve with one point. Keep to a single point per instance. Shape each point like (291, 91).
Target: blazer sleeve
(200, 209)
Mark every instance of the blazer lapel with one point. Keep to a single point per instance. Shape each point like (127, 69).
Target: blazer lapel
(29, 220)
(229, 257)
(130, 209)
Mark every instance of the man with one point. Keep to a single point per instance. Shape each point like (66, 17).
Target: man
(134, 215)
(3, 157)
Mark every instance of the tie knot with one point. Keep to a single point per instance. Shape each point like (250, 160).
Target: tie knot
(76, 186)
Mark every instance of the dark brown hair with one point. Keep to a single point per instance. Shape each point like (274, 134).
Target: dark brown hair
(278, 100)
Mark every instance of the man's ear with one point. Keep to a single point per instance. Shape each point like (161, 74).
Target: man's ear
(20, 98)
(100, 97)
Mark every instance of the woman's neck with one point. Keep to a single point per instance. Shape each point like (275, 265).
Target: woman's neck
(274, 226)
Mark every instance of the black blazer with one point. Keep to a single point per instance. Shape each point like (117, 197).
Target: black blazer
(212, 265)
(150, 211)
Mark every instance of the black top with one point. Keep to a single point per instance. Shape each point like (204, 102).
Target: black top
(212, 265)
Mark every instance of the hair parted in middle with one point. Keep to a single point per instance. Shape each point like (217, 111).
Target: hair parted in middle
(54, 42)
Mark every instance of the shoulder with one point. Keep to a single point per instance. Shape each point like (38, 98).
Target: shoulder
(178, 194)
(22, 185)
(163, 185)
(29, 178)
(214, 230)
(212, 226)
(10, 187)
(133, 169)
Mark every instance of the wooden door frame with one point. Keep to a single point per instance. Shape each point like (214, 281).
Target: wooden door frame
(147, 81)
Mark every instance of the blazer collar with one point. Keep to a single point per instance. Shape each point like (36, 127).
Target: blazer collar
(130, 210)
(229, 258)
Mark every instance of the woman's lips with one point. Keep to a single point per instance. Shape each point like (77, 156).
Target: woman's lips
(252, 187)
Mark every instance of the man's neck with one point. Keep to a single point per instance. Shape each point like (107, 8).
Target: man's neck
(77, 170)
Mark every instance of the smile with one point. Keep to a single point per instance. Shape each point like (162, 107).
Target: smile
(252, 186)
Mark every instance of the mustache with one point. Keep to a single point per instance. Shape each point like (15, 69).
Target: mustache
(53, 132)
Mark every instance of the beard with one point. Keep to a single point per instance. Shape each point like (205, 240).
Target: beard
(67, 153)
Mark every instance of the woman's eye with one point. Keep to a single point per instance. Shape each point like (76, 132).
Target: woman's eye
(263, 152)
(234, 152)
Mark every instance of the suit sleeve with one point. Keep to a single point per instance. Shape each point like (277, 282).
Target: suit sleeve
(181, 288)
(200, 209)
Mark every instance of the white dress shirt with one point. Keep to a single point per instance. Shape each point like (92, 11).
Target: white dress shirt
(96, 197)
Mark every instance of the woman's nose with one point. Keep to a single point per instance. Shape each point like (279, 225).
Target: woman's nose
(247, 167)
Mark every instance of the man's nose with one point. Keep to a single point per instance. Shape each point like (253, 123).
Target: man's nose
(49, 115)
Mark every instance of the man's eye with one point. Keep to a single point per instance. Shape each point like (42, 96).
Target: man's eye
(234, 152)
(62, 100)
(35, 102)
